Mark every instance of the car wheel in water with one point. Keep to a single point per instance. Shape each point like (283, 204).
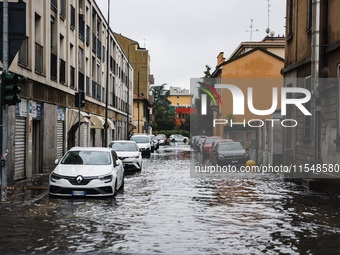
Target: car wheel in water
(122, 185)
(173, 140)
(185, 140)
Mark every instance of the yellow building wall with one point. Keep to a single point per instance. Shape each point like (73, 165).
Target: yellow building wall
(257, 70)
(142, 119)
(181, 100)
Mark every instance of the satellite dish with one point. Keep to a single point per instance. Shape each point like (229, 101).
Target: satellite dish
(268, 30)
(272, 33)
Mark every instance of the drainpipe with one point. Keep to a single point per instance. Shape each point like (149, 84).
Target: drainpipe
(315, 71)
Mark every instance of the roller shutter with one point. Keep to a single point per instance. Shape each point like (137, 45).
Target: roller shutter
(20, 131)
(60, 139)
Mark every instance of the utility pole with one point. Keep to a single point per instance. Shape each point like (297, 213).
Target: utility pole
(106, 125)
(4, 110)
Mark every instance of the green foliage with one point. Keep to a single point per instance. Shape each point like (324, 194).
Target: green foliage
(161, 97)
(163, 119)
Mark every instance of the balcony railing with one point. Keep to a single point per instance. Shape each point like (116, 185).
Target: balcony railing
(39, 58)
(81, 29)
(72, 73)
(81, 81)
(54, 66)
(62, 71)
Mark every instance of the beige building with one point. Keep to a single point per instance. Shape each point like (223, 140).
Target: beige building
(65, 52)
(140, 60)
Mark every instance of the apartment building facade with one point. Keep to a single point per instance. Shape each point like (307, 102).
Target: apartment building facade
(140, 60)
(312, 56)
(65, 52)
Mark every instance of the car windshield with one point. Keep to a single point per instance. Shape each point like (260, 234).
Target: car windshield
(87, 158)
(159, 136)
(117, 146)
(178, 136)
(140, 139)
(210, 140)
(230, 147)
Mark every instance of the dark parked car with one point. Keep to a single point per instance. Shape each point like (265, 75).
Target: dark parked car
(230, 153)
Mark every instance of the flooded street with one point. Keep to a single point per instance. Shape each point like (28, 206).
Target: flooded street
(163, 210)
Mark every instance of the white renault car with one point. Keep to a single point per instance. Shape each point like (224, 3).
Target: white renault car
(128, 152)
(144, 144)
(87, 171)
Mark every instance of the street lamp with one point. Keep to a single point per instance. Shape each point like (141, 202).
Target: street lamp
(128, 92)
(138, 92)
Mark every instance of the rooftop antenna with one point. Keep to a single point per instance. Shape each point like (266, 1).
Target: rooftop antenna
(268, 27)
(251, 31)
(144, 42)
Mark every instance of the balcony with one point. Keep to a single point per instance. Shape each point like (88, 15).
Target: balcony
(54, 66)
(62, 71)
(39, 58)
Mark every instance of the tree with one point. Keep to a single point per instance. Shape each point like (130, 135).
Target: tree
(163, 120)
(161, 97)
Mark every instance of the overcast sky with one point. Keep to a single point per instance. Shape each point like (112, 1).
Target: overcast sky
(183, 36)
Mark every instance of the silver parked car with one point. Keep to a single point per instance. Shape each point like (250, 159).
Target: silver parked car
(129, 153)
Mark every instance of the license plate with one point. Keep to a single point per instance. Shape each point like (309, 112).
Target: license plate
(125, 165)
(78, 193)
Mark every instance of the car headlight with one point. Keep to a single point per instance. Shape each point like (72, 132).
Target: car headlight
(137, 156)
(106, 178)
(55, 177)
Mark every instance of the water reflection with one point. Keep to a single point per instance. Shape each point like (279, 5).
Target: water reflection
(163, 210)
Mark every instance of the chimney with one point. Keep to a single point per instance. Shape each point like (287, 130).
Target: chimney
(220, 58)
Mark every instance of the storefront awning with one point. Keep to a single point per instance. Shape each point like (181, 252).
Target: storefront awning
(99, 121)
(73, 117)
(132, 126)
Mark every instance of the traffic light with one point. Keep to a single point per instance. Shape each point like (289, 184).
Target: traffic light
(10, 88)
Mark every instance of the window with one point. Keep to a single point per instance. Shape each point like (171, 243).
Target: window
(177, 96)
(54, 4)
(62, 69)
(290, 19)
(63, 8)
(73, 17)
(80, 60)
(23, 52)
(87, 35)
(72, 77)
(307, 118)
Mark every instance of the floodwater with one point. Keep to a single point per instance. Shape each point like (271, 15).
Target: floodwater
(163, 210)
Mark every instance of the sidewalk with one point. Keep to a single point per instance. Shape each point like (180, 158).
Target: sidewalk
(28, 191)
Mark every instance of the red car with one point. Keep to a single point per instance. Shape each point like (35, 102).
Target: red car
(213, 145)
(206, 146)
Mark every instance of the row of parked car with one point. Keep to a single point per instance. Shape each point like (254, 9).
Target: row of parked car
(220, 151)
(89, 171)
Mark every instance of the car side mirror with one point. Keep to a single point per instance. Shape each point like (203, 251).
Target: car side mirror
(116, 163)
(56, 162)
